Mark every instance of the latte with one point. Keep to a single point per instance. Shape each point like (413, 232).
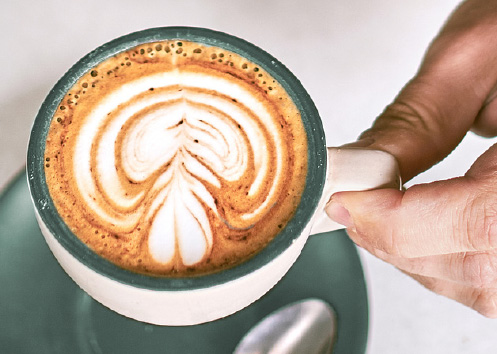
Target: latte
(176, 159)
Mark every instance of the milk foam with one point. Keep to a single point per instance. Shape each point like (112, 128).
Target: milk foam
(191, 127)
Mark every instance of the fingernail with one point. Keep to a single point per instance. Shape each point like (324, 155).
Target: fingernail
(339, 214)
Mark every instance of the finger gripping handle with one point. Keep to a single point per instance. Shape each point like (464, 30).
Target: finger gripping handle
(354, 169)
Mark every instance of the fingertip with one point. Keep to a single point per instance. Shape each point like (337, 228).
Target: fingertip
(338, 213)
(367, 215)
(362, 203)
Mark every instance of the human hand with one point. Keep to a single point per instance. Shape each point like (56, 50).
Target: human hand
(443, 234)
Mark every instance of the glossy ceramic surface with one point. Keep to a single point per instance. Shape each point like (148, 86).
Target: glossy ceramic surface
(43, 311)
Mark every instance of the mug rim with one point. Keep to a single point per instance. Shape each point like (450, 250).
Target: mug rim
(316, 159)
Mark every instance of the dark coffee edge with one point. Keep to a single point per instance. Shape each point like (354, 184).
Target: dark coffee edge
(310, 117)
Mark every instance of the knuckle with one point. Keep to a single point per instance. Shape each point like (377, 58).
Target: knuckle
(385, 240)
(434, 285)
(489, 231)
(409, 117)
(486, 304)
(391, 244)
(479, 222)
(480, 270)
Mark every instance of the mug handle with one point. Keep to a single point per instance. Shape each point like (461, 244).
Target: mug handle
(354, 169)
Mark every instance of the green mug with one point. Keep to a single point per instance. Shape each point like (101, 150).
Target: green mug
(194, 300)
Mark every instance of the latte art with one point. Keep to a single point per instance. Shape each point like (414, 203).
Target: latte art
(174, 158)
(178, 147)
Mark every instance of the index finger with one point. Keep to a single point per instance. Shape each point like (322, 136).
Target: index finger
(431, 219)
(434, 111)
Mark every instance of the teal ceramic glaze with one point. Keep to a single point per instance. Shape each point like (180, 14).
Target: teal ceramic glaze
(316, 157)
(43, 311)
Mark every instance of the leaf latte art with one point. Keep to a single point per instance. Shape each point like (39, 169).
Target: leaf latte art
(176, 159)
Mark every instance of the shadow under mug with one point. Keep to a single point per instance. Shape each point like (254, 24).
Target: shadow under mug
(195, 300)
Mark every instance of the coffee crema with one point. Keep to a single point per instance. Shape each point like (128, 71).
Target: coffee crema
(176, 159)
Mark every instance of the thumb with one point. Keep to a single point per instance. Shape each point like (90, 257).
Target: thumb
(443, 217)
(435, 110)
(426, 121)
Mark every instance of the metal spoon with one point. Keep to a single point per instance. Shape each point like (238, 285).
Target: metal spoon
(306, 326)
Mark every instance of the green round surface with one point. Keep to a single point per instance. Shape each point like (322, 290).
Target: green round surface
(43, 311)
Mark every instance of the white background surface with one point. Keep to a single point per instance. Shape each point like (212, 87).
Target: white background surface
(353, 56)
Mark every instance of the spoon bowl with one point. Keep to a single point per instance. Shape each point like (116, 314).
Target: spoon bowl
(306, 326)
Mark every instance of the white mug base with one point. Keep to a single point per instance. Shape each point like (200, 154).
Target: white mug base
(175, 308)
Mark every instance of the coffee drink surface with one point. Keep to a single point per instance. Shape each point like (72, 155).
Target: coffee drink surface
(176, 159)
